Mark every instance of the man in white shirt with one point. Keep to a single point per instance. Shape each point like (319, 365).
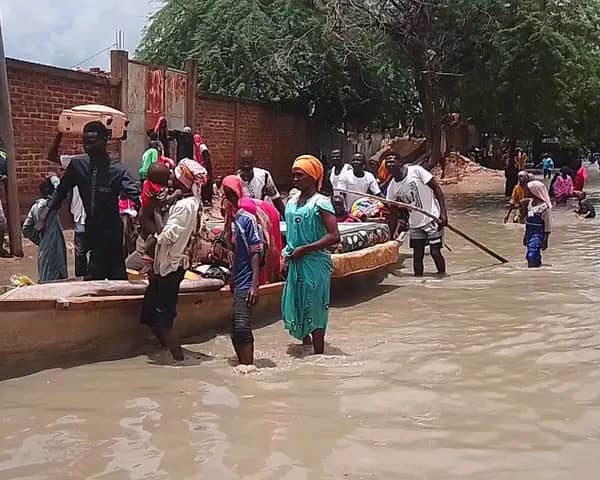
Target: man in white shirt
(338, 166)
(357, 179)
(414, 185)
(257, 182)
(172, 255)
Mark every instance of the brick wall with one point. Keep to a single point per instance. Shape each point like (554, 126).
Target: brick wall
(215, 120)
(38, 94)
(229, 126)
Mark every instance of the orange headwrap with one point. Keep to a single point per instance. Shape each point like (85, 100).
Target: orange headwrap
(312, 167)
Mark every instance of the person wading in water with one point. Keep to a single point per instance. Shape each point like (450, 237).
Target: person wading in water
(99, 181)
(357, 179)
(416, 186)
(311, 230)
(172, 256)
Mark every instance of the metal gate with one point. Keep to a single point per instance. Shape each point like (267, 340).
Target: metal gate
(152, 92)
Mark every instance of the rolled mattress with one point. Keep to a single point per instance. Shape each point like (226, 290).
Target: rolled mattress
(366, 260)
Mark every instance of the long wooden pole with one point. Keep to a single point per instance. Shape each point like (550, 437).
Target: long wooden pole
(6, 132)
(407, 206)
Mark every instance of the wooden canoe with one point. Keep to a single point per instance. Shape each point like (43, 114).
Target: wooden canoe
(40, 334)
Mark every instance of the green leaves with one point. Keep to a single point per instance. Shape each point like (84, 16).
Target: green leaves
(282, 51)
(519, 67)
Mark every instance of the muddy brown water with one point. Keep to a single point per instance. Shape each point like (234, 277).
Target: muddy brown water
(490, 373)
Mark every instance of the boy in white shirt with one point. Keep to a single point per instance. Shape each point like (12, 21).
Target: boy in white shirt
(357, 180)
(414, 185)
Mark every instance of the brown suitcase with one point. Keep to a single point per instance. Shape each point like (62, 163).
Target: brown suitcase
(73, 120)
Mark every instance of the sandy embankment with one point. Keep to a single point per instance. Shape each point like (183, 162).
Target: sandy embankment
(462, 175)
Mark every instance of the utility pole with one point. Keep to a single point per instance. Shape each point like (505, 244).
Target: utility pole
(6, 132)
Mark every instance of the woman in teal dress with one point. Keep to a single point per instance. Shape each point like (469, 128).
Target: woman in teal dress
(311, 229)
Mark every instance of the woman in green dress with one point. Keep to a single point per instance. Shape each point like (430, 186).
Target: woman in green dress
(311, 229)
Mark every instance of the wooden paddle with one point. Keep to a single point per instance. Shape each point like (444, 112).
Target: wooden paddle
(407, 206)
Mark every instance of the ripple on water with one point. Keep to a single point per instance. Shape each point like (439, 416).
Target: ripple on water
(490, 373)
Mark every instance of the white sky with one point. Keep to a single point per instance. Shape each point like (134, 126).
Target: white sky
(65, 32)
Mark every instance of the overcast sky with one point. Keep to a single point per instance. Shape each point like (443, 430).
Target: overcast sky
(65, 32)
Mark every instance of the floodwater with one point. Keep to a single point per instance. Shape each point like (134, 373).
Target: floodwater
(491, 373)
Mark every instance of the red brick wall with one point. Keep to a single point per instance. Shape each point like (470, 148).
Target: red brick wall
(215, 120)
(38, 94)
(276, 138)
(257, 127)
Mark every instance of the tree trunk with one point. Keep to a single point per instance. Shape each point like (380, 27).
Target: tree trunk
(431, 116)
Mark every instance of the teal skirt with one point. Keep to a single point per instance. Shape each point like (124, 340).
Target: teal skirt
(305, 302)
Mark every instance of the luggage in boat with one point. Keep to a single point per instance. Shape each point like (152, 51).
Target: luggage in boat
(362, 236)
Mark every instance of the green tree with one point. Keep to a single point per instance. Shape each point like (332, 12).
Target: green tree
(514, 66)
(530, 65)
(281, 50)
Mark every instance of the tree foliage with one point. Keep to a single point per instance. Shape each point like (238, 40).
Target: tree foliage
(280, 50)
(531, 66)
(519, 67)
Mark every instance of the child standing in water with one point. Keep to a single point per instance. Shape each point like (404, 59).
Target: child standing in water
(537, 223)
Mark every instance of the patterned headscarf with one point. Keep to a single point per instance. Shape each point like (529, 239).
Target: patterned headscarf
(198, 142)
(192, 175)
(312, 167)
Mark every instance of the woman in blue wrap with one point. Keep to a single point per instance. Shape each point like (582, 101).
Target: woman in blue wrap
(52, 252)
(311, 229)
(537, 223)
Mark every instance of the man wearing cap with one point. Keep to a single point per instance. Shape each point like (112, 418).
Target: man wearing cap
(99, 180)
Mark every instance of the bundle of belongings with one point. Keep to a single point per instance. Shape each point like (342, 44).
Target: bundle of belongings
(359, 236)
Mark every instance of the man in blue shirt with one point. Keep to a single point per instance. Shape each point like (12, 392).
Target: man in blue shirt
(547, 165)
(248, 252)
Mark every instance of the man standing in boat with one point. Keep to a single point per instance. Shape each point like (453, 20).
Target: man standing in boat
(99, 181)
(414, 185)
(357, 179)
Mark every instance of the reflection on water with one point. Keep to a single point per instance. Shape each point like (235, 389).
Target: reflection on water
(491, 373)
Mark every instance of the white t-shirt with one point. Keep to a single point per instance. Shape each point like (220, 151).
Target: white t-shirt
(365, 184)
(336, 178)
(77, 209)
(175, 235)
(255, 187)
(415, 191)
